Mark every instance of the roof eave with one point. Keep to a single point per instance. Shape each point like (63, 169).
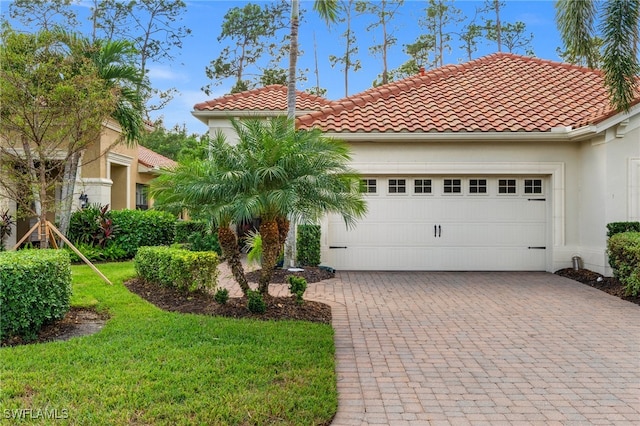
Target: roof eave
(556, 135)
(252, 113)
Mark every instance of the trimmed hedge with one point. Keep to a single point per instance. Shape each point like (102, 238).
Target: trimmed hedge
(614, 228)
(308, 245)
(35, 288)
(137, 228)
(624, 258)
(179, 268)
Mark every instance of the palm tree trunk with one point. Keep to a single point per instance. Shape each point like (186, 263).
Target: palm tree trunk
(270, 250)
(293, 59)
(231, 251)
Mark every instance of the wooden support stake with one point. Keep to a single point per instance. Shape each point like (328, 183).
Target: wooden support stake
(26, 236)
(80, 255)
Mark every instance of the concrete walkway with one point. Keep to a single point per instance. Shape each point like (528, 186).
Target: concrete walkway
(430, 348)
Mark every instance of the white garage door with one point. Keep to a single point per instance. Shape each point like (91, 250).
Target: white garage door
(445, 223)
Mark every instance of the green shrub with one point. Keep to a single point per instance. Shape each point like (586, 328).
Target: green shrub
(308, 245)
(204, 242)
(255, 302)
(614, 228)
(112, 252)
(624, 258)
(84, 225)
(137, 228)
(184, 229)
(182, 269)
(35, 288)
(297, 287)
(221, 296)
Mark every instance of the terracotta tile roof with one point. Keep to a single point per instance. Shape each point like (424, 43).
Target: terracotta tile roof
(152, 159)
(497, 93)
(268, 98)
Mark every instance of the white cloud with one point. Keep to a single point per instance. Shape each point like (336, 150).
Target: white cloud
(159, 72)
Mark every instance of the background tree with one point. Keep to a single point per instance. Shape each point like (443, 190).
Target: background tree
(114, 63)
(515, 39)
(348, 59)
(52, 105)
(594, 60)
(384, 12)
(250, 29)
(175, 143)
(439, 15)
(43, 14)
(620, 31)
(493, 27)
(153, 28)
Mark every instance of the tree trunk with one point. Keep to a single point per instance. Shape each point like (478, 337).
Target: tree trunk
(289, 255)
(270, 251)
(231, 251)
(68, 189)
(293, 60)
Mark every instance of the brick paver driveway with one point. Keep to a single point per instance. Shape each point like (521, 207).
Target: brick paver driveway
(481, 348)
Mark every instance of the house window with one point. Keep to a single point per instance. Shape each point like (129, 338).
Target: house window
(142, 203)
(397, 186)
(368, 186)
(422, 186)
(452, 186)
(477, 186)
(533, 186)
(507, 186)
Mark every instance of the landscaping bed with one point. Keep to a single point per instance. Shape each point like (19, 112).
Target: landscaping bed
(609, 285)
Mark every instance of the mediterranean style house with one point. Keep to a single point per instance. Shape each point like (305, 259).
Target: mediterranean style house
(110, 173)
(502, 163)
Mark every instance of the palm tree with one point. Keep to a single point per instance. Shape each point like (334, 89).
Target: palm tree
(328, 10)
(620, 28)
(113, 61)
(292, 175)
(208, 188)
(273, 173)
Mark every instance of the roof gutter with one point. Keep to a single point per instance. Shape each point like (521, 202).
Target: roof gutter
(556, 135)
(204, 116)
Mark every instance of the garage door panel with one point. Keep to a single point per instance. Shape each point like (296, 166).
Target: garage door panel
(472, 232)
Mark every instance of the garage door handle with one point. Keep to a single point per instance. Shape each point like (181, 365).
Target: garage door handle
(439, 231)
(337, 247)
(435, 231)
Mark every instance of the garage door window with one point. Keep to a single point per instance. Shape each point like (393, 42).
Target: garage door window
(397, 186)
(477, 186)
(533, 186)
(452, 186)
(369, 186)
(507, 186)
(422, 186)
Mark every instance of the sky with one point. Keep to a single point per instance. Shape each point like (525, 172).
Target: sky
(204, 17)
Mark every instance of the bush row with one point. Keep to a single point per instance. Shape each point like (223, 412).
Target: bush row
(614, 228)
(174, 267)
(624, 258)
(111, 235)
(35, 288)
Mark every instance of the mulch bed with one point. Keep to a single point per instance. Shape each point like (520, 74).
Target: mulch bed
(278, 308)
(609, 285)
(77, 322)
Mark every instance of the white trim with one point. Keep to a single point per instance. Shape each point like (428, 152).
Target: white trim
(634, 189)
(121, 160)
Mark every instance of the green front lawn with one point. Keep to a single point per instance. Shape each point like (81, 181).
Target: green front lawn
(148, 366)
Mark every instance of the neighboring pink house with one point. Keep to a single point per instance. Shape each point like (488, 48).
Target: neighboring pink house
(502, 163)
